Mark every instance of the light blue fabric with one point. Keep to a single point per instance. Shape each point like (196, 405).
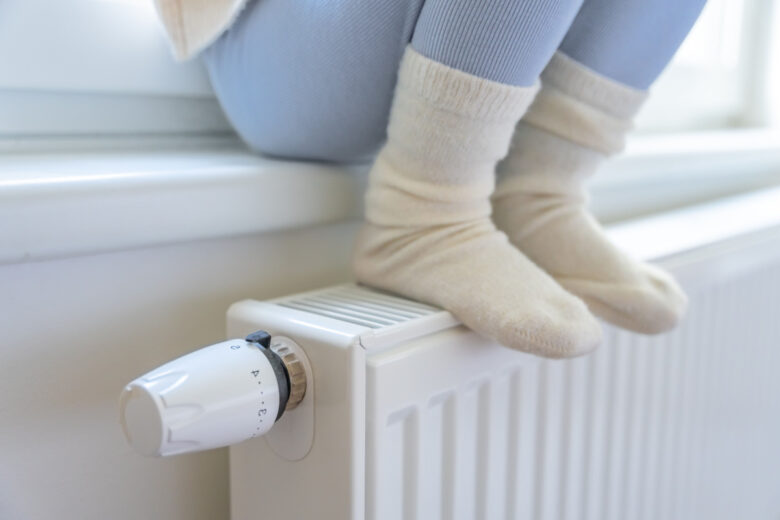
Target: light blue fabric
(630, 41)
(509, 41)
(314, 79)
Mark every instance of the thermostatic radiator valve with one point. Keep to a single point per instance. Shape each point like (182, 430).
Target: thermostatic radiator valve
(214, 397)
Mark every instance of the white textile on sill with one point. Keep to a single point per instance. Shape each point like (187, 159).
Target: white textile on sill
(192, 25)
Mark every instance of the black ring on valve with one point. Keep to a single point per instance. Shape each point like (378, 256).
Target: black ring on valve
(263, 341)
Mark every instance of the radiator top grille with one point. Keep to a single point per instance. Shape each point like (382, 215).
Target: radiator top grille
(358, 305)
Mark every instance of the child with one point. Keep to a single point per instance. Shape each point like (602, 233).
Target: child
(534, 93)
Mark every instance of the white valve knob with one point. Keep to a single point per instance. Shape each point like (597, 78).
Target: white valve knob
(214, 397)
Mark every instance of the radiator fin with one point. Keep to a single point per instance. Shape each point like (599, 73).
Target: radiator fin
(358, 305)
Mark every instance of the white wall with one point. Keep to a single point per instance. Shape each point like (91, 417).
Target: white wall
(74, 331)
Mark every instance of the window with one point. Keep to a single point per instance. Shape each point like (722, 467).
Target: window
(96, 67)
(724, 73)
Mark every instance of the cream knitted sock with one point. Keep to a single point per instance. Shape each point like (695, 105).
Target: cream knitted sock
(428, 233)
(577, 120)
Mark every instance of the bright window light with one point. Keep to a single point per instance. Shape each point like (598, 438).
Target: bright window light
(719, 77)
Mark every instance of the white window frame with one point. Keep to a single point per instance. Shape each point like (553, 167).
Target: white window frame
(97, 68)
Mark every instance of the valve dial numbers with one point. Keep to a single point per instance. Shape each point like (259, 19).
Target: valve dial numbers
(262, 410)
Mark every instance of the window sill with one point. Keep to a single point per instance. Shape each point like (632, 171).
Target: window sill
(65, 204)
(665, 172)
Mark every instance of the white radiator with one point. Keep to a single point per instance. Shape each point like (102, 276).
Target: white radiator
(408, 415)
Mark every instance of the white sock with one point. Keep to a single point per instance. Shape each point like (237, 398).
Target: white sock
(428, 233)
(577, 120)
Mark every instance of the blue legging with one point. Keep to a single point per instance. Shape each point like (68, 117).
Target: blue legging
(314, 79)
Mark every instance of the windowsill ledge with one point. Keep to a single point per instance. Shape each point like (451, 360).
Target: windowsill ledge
(65, 204)
(57, 205)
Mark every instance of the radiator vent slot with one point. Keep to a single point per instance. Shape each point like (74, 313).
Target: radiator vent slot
(358, 305)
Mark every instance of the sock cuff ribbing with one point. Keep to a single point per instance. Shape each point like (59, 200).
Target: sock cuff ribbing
(447, 131)
(578, 81)
(583, 107)
(456, 91)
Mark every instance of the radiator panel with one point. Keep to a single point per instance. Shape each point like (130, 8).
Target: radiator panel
(418, 418)
(679, 426)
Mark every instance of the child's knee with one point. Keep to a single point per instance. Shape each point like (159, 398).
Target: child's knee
(288, 111)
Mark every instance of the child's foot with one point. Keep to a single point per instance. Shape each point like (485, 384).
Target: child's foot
(428, 234)
(471, 270)
(559, 235)
(577, 119)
